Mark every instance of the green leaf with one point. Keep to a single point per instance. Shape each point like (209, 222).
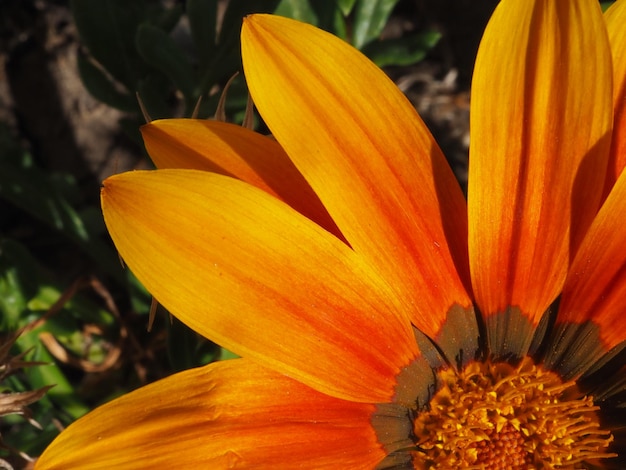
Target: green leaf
(62, 394)
(401, 51)
(19, 274)
(346, 6)
(154, 91)
(322, 13)
(329, 16)
(227, 57)
(159, 50)
(371, 16)
(236, 11)
(298, 10)
(202, 16)
(186, 349)
(130, 126)
(140, 298)
(102, 87)
(31, 190)
(26, 290)
(606, 5)
(77, 308)
(225, 354)
(107, 28)
(340, 28)
(45, 196)
(181, 344)
(167, 19)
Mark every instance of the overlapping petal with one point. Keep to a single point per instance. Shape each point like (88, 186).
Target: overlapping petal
(247, 271)
(538, 153)
(231, 414)
(232, 150)
(615, 18)
(381, 176)
(596, 286)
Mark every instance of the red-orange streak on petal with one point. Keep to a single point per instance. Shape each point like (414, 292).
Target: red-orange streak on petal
(596, 286)
(541, 122)
(615, 18)
(234, 151)
(367, 154)
(231, 414)
(248, 272)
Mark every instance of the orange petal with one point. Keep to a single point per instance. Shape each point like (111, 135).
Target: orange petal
(541, 122)
(596, 286)
(231, 414)
(234, 151)
(615, 18)
(369, 157)
(245, 270)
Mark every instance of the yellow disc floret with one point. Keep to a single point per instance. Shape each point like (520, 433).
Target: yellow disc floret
(500, 416)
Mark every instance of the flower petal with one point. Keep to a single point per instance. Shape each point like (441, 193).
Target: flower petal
(230, 414)
(245, 270)
(615, 18)
(367, 154)
(596, 286)
(232, 150)
(541, 122)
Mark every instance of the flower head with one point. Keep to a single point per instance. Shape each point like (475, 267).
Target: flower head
(383, 321)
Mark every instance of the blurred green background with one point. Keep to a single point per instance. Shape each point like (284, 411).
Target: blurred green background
(69, 117)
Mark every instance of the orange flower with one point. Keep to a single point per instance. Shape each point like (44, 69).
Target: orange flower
(383, 322)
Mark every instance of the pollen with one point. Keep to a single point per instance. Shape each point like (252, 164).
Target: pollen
(494, 415)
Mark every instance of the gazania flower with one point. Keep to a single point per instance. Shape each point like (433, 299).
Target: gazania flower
(383, 322)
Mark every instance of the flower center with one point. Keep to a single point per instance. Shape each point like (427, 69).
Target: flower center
(499, 416)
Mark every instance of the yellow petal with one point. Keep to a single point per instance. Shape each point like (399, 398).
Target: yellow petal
(615, 18)
(366, 153)
(235, 151)
(541, 122)
(596, 286)
(245, 270)
(231, 414)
